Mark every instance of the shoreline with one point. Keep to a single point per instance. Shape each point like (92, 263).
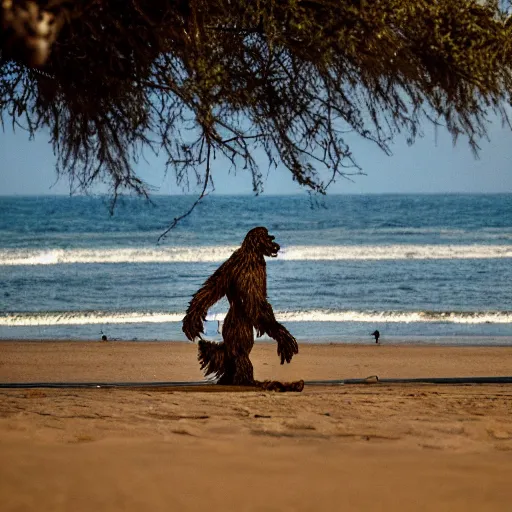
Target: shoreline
(501, 341)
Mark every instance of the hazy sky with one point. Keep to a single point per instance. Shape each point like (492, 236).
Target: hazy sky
(28, 167)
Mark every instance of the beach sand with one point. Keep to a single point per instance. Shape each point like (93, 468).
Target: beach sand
(366, 447)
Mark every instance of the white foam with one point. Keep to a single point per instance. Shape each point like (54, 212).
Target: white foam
(87, 318)
(127, 255)
(396, 252)
(92, 318)
(221, 253)
(458, 317)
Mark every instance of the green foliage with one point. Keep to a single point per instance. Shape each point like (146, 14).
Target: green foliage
(203, 78)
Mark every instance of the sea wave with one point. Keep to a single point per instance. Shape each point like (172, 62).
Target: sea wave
(204, 254)
(104, 317)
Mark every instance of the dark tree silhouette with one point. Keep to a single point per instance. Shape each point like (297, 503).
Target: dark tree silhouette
(243, 280)
(204, 79)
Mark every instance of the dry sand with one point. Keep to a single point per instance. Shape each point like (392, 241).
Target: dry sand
(372, 447)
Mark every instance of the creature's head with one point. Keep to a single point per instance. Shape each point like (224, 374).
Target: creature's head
(259, 241)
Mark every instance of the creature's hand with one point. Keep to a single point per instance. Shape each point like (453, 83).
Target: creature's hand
(192, 326)
(286, 345)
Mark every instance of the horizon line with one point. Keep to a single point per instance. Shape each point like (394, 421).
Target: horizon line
(269, 194)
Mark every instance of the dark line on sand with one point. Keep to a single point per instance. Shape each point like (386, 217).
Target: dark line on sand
(209, 386)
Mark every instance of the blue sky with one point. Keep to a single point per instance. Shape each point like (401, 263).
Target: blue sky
(429, 166)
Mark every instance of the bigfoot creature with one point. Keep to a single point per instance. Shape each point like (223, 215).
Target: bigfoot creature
(243, 279)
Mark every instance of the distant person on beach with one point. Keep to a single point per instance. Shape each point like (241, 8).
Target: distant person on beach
(377, 335)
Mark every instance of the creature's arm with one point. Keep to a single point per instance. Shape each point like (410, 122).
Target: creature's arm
(265, 322)
(212, 291)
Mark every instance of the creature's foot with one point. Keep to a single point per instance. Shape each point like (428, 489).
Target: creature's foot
(275, 385)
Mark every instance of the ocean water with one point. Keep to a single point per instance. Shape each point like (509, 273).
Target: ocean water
(420, 268)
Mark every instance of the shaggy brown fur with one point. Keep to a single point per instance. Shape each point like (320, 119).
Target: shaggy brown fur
(243, 279)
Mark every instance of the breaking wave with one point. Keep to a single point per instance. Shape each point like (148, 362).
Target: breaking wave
(102, 317)
(221, 253)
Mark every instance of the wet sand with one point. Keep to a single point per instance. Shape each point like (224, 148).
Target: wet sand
(368, 447)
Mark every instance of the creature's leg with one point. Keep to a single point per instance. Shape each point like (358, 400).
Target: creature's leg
(238, 337)
(242, 372)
